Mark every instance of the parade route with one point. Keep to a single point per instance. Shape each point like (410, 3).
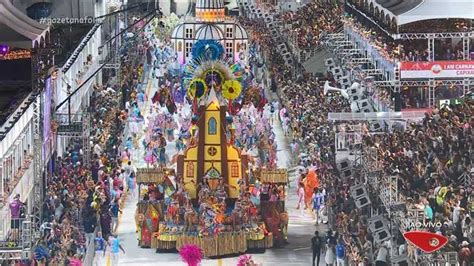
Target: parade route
(297, 252)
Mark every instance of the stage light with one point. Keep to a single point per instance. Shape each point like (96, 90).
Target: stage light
(4, 49)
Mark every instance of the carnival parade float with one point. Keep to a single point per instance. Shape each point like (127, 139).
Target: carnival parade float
(222, 191)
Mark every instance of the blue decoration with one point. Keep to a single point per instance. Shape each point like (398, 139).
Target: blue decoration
(208, 49)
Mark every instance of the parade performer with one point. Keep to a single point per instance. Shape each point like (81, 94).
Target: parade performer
(311, 182)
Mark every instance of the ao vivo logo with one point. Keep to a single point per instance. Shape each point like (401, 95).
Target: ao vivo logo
(426, 241)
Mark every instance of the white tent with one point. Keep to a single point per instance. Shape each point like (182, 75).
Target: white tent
(408, 11)
(438, 9)
(18, 30)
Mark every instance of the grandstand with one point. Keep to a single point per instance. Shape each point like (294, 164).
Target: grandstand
(413, 47)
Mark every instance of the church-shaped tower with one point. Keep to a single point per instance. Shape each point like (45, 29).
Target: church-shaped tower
(210, 23)
(210, 11)
(212, 155)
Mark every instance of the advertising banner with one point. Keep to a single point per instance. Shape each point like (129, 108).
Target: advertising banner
(437, 69)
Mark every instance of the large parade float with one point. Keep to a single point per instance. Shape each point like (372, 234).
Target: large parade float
(222, 192)
(219, 197)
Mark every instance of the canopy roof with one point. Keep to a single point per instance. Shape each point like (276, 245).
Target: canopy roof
(438, 9)
(408, 11)
(398, 7)
(18, 30)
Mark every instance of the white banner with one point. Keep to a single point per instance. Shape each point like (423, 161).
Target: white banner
(437, 69)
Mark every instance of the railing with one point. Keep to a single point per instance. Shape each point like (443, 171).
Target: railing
(388, 64)
(13, 230)
(11, 123)
(404, 115)
(10, 184)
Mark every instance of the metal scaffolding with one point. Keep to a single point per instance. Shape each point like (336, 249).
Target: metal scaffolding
(352, 53)
(424, 36)
(76, 126)
(38, 165)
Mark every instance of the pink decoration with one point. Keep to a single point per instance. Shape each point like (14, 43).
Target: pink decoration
(244, 260)
(191, 254)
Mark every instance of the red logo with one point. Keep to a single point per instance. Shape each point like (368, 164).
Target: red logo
(436, 69)
(426, 241)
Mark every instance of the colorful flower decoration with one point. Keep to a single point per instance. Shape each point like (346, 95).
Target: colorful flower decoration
(213, 78)
(207, 49)
(231, 89)
(191, 254)
(197, 88)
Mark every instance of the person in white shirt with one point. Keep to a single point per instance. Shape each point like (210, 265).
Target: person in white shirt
(128, 169)
(97, 149)
(330, 256)
(456, 213)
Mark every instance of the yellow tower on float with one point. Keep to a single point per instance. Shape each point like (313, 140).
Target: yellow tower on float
(211, 154)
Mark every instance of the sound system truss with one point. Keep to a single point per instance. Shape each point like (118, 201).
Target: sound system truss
(77, 126)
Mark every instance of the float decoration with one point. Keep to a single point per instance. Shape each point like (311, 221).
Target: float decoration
(213, 78)
(231, 89)
(197, 88)
(198, 67)
(191, 254)
(276, 176)
(237, 70)
(207, 49)
(205, 203)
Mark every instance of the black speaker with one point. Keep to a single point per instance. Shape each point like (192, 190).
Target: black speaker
(398, 102)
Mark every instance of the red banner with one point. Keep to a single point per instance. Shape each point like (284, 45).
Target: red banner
(437, 69)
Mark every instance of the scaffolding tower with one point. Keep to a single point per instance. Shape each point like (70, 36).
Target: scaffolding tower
(76, 126)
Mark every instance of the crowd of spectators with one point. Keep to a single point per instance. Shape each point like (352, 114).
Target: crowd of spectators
(433, 160)
(82, 202)
(399, 50)
(437, 26)
(79, 196)
(308, 23)
(438, 149)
